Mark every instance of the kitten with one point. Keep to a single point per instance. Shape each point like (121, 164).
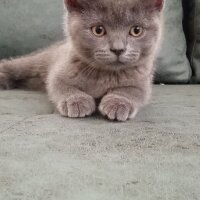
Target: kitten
(108, 54)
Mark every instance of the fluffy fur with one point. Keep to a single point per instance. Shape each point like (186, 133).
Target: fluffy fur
(116, 69)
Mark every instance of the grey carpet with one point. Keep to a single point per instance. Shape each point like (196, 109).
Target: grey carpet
(47, 157)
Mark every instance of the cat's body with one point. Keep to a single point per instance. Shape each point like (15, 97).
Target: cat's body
(116, 66)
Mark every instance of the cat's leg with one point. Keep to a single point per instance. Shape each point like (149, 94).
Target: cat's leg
(4, 81)
(69, 101)
(25, 72)
(28, 71)
(124, 103)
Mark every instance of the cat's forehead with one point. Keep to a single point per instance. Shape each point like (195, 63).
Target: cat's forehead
(114, 6)
(116, 11)
(113, 3)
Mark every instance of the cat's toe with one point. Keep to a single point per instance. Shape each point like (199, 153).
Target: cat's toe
(117, 108)
(77, 106)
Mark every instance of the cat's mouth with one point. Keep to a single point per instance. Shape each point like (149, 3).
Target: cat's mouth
(115, 62)
(118, 63)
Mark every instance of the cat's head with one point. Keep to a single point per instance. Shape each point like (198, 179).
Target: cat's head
(113, 34)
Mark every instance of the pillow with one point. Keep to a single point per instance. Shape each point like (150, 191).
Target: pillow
(192, 27)
(173, 65)
(28, 25)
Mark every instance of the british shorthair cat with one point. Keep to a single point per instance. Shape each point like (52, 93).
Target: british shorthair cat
(108, 54)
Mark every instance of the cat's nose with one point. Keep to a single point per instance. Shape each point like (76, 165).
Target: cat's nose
(117, 52)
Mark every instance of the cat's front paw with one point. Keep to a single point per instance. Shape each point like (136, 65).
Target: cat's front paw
(118, 108)
(77, 106)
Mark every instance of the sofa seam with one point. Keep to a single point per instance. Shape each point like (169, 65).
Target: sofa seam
(195, 38)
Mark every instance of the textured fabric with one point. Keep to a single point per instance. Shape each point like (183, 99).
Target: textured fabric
(173, 65)
(26, 26)
(192, 22)
(155, 157)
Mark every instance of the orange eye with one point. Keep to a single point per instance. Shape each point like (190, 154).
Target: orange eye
(98, 31)
(136, 31)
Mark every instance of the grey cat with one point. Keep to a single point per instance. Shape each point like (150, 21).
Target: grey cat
(108, 54)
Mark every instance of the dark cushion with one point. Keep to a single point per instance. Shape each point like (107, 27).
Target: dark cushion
(173, 65)
(192, 27)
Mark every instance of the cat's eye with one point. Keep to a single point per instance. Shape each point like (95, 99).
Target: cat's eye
(136, 31)
(98, 31)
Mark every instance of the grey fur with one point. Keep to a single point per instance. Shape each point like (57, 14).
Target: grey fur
(83, 68)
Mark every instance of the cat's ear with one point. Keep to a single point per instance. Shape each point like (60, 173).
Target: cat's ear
(158, 4)
(73, 5)
(154, 5)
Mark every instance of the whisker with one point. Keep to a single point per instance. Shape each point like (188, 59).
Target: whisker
(90, 69)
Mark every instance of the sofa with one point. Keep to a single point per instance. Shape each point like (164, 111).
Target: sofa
(156, 156)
